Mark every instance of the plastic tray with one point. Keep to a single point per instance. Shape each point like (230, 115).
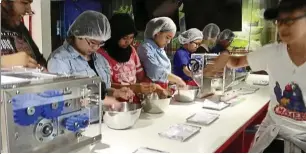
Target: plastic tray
(208, 104)
(203, 118)
(180, 132)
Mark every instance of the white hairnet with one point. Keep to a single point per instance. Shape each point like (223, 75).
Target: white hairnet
(91, 25)
(226, 35)
(211, 31)
(190, 35)
(160, 24)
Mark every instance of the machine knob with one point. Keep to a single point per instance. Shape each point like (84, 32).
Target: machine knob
(83, 121)
(75, 123)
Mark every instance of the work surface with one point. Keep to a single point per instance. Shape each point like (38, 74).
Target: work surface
(208, 140)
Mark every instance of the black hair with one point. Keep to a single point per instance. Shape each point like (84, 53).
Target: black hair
(291, 6)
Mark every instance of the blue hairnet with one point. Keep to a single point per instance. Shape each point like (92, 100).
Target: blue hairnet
(190, 35)
(91, 25)
(160, 24)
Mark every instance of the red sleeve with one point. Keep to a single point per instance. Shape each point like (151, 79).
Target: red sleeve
(101, 51)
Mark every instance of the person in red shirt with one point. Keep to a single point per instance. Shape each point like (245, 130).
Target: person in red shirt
(126, 68)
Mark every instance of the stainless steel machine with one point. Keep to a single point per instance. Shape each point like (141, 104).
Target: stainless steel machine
(217, 85)
(48, 113)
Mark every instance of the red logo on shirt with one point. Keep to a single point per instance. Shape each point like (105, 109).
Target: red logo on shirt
(282, 111)
(291, 102)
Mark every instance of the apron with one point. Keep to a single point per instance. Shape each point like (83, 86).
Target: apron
(269, 131)
(191, 83)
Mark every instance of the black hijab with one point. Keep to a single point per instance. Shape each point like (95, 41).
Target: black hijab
(121, 25)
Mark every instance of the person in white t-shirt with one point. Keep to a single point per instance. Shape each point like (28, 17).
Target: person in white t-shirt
(285, 63)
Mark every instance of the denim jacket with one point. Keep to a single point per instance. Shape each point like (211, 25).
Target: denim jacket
(66, 60)
(155, 61)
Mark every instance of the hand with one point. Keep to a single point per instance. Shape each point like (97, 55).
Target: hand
(114, 104)
(161, 92)
(145, 88)
(181, 83)
(124, 93)
(18, 59)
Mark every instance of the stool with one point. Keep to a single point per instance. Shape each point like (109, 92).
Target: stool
(289, 147)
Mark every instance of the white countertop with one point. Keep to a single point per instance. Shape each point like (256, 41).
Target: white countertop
(210, 138)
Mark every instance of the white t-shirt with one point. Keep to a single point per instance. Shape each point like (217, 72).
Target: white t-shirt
(287, 85)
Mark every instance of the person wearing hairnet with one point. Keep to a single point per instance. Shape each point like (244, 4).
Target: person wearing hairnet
(125, 66)
(190, 41)
(210, 35)
(224, 40)
(77, 56)
(159, 32)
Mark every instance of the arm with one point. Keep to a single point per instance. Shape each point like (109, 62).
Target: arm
(18, 59)
(187, 71)
(181, 60)
(175, 79)
(58, 66)
(153, 69)
(151, 65)
(39, 57)
(133, 87)
(257, 60)
(237, 62)
(140, 74)
(220, 62)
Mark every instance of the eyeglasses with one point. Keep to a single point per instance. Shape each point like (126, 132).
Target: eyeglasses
(95, 43)
(288, 21)
(197, 44)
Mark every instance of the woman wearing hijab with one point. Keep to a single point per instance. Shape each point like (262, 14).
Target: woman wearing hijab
(125, 66)
(190, 41)
(158, 33)
(77, 56)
